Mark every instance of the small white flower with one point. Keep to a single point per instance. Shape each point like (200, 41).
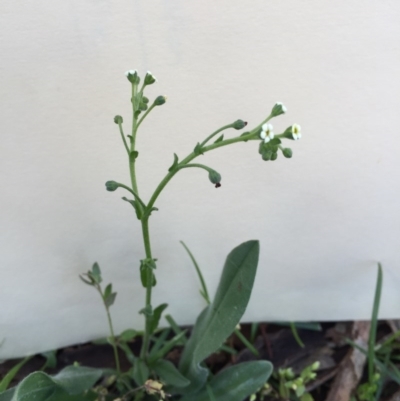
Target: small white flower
(130, 72)
(267, 132)
(296, 131)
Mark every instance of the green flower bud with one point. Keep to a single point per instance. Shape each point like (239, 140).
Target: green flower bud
(239, 124)
(266, 155)
(278, 109)
(274, 156)
(118, 120)
(145, 99)
(132, 76)
(149, 78)
(215, 178)
(287, 152)
(143, 106)
(160, 100)
(111, 186)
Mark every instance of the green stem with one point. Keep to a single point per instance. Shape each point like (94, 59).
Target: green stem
(145, 115)
(114, 345)
(215, 133)
(147, 247)
(132, 168)
(167, 178)
(111, 327)
(123, 137)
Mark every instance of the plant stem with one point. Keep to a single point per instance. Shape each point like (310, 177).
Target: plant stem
(114, 345)
(147, 247)
(192, 156)
(215, 133)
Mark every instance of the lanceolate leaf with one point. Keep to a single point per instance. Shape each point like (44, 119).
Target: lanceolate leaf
(155, 318)
(68, 385)
(169, 373)
(220, 318)
(235, 383)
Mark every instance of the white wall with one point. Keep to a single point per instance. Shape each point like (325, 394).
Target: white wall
(324, 218)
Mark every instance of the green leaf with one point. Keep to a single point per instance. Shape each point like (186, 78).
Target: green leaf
(51, 359)
(140, 372)
(155, 318)
(110, 299)
(235, 383)
(169, 373)
(127, 335)
(146, 272)
(107, 291)
(68, 385)
(198, 150)
(77, 379)
(175, 163)
(167, 347)
(133, 156)
(96, 273)
(220, 139)
(135, 205)
(5, 382)
(219, 319)
(88, 282)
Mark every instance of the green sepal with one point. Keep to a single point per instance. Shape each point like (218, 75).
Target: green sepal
(133, 156)
(244, 134)
(118, 120)
(266, 155)
(198, 150)
(220, 139)
(175, 163)
(169, 373)
(155, 318)
(287, 152)
(275, 141)
(143, 106)
(137, 113)
(135, 205)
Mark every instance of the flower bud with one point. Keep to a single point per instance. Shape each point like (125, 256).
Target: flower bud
(132, 76)
(160, 100)
(215, 178)
(118, 120)
(145, 99)
(149, 78)
(111, 186)
(287, 152)
(274, 156)
(239, 124)
(278, 109)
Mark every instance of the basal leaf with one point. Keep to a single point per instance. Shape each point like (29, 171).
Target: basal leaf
(220, 318)
(169, 373)
(235, 383)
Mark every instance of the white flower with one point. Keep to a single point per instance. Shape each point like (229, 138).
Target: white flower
(130, 72)
(296, 131)
(267, 132)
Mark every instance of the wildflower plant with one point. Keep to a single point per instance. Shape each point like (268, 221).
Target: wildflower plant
(151, 372)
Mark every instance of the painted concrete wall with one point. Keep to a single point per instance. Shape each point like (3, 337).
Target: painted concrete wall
(324, 217)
